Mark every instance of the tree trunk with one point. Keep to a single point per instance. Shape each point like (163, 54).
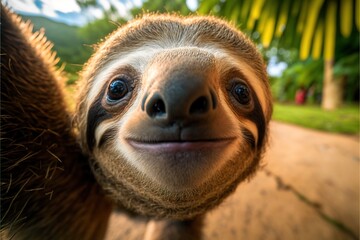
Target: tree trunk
(333, 89)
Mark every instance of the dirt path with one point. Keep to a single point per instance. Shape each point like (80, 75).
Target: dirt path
(308, 189)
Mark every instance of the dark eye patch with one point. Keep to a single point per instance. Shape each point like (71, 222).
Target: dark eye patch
(244, 101)
(97, 113)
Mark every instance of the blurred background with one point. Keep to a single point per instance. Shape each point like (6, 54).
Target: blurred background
(311, 48)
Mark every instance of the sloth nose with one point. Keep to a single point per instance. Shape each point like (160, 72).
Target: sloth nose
(182, 99)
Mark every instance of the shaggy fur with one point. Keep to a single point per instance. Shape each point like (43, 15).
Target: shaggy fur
(48, 188)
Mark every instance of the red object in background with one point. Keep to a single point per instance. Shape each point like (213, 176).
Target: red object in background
(300, 96)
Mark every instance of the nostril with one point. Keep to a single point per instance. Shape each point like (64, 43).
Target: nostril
(155, 107)
(158, 107)
(200, 105)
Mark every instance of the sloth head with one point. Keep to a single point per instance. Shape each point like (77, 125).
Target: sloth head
(173, 113)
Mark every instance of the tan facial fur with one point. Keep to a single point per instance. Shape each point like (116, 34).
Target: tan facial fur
(179, 140)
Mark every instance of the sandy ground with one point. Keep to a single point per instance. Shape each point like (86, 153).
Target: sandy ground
(308, 189)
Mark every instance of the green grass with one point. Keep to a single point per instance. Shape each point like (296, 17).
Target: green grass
(343, 120)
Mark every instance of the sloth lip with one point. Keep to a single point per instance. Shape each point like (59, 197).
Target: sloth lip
(179, 145)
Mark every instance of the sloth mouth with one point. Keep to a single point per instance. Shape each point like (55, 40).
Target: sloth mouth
(179, 146)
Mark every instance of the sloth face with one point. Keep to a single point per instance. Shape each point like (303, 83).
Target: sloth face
(174, 113)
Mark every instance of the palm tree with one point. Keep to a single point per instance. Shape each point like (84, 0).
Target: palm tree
(311, 26)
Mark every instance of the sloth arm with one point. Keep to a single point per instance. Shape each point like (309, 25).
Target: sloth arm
(47, 190)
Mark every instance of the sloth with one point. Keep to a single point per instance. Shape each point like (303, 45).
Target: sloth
(172, 114)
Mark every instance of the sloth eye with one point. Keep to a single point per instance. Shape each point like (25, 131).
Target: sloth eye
(241, 93)
(117, 89)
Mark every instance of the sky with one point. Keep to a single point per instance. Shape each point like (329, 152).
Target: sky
(275, 68)
(69, 12)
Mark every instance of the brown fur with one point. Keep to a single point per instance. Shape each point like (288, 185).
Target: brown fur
(47, 190)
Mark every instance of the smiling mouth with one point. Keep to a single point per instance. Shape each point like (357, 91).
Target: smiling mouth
(179, 146)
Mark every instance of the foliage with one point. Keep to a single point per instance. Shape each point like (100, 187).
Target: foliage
(302, 24)
(67, 43)
(162, 6)
(307, 74)
(300, 29)
(342, 120)
(348, 66)
(86, 3)
(95, 31)
(74, 45)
